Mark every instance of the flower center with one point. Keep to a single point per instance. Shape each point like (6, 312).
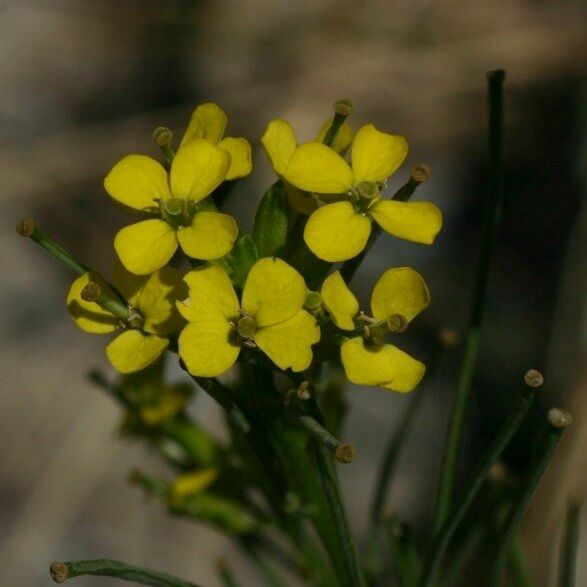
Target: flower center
(246, 327)
(176, 212)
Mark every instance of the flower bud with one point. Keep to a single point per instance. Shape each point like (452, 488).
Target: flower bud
(162, 136)
(559, 418)
(59, 572)
(533, 378)
(345, 453)
(305, 390)
(421, 173)
(343, 107)
(26, 227)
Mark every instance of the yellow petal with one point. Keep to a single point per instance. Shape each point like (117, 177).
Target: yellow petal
(210, 236)
(339, 300)
(206, 346)
(376, 155)
(240, 156)
(134, 350)
(419, 222)
(191, 483)
(344, 137)
(336, 232)
(383, 365)
(145, 246)
(156, 301)
(208, 122)
(316, 168)
(137, 181)
(89, 316)
(279, 142)
(211, 293)
(198, 168)
(274, 291)
(400, 290)
(289, 343)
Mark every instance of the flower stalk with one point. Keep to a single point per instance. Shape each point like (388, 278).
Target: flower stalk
(62, 571)
(28, 228)
(491, 220)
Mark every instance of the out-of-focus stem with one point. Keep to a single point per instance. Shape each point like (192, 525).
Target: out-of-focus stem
(512, 424)
(558, 421)
(491, 219)
(568, 560)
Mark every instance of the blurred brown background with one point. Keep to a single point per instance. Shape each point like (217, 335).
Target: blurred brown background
(85, 82)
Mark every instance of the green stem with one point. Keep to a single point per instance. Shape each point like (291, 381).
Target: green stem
(420, 174)
(402, 557)
(28, 228)
(491, 219)
(344, 453)
(519, 507)
(218, 392)
(331, 489)
(568, 560)
(60, 572)
(505, 434)
(518, 566)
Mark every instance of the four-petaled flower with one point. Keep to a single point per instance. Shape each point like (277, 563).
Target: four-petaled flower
(152, 298)
(270, 317)
(339, 231)
(280, 144)
(399, 295)
(201, 164)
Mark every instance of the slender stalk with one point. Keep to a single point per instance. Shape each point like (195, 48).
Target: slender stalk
(491, 219)
(568, 560)
(505, 434)
(60, 572)
(518, 566)
(163, 137)
(342, 110)
(344, 453)
(331, 489)
(404, 571)
(217, 391)
(28, 228)
(420, 174)
(558, 421)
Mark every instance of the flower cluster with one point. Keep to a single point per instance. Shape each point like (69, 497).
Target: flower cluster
(227, 296)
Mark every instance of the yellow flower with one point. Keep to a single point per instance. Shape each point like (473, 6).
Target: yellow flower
(280, 144)
(208, 122)
(270, 317)
(139, 182)
(168, 404)
(153, 297)
(192, 483)
(340, 230)
(399, 295)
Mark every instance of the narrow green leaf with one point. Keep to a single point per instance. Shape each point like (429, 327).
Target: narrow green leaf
(244, 256)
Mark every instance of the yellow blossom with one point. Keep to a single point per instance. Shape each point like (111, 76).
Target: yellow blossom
(192, 483)
(139, 182)
(399, 295)
(270, 317)
(340, 230)
(169, 403)
(152, 297)
(280, 143)
(208, 122)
